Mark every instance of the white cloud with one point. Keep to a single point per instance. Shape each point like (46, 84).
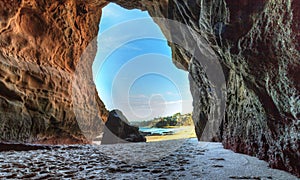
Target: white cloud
(111, 11)
(132, 47)
(138, 96)
(173, 102)
(172, 93)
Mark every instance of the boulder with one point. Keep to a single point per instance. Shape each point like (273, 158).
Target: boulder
(118, 130)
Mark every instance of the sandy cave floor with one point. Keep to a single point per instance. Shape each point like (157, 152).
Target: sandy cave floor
(174, 159)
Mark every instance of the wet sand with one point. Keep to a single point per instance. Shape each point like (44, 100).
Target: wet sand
(176, 159)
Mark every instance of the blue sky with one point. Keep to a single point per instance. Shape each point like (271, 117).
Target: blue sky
(137, 76)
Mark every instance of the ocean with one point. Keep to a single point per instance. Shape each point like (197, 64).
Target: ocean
(160, 131)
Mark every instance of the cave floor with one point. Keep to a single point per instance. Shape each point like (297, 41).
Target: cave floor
(176, 159)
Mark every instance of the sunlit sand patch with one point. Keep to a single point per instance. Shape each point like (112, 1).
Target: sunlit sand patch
(184, 133)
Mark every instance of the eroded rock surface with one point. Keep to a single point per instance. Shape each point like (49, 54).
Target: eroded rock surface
(41, 44)
(255, 41)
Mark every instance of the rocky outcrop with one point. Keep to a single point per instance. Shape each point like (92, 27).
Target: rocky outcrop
(41, 45)
(256, 42)
(118, 130)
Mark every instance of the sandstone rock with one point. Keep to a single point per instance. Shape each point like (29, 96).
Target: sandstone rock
(41, 44)
(118, 130)
(256, 42)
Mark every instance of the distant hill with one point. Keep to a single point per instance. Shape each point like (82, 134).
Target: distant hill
(161, 122)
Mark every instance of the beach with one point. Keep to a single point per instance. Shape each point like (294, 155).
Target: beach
(181, 132)
(170, 159)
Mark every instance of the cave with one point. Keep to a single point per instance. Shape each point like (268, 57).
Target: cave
(242, 58)
(135, 76)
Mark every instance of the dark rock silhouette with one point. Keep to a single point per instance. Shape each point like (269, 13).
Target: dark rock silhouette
(118, 130)
(22, 147)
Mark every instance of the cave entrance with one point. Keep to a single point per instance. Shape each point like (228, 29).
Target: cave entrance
(135, 74)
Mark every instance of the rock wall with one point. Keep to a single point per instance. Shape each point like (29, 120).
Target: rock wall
(257, 44)
(41, 45)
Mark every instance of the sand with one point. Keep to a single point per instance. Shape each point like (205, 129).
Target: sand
(183, 133)
(174, 159)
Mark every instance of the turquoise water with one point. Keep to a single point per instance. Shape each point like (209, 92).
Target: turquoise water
(157, 130)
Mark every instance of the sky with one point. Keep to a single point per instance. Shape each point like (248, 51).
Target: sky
(133, 69)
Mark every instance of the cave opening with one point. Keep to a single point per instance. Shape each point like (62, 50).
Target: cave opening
(135, 74)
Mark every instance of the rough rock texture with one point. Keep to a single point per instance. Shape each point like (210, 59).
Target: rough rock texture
(118, 130)
(256, 42)
(41, 44)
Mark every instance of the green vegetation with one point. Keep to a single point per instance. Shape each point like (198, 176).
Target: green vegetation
(177, 119)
